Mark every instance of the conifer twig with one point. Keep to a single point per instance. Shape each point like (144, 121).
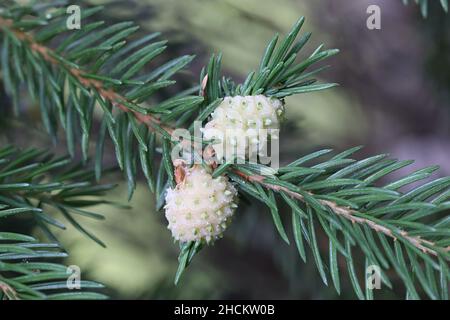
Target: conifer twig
(347, 213)
(108, 94)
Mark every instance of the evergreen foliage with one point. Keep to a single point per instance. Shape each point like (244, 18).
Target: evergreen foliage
(71, 74)
(33, 184)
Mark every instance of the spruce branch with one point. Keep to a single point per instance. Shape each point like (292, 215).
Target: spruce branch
(342, 195)
(406, 231)
(32, 181)
(83, 77)
(349, 214)
(67, 93)
(352, 207)
(26, 273)
(33, 185)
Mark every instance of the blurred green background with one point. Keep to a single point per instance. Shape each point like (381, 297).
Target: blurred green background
(393, 97)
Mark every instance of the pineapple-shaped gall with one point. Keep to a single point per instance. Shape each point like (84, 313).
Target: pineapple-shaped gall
(200, 207)
(252, 118)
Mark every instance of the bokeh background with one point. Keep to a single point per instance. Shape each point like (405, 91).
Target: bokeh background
(393, 98)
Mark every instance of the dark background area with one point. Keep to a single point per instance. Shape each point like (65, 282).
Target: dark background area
(393, 98)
